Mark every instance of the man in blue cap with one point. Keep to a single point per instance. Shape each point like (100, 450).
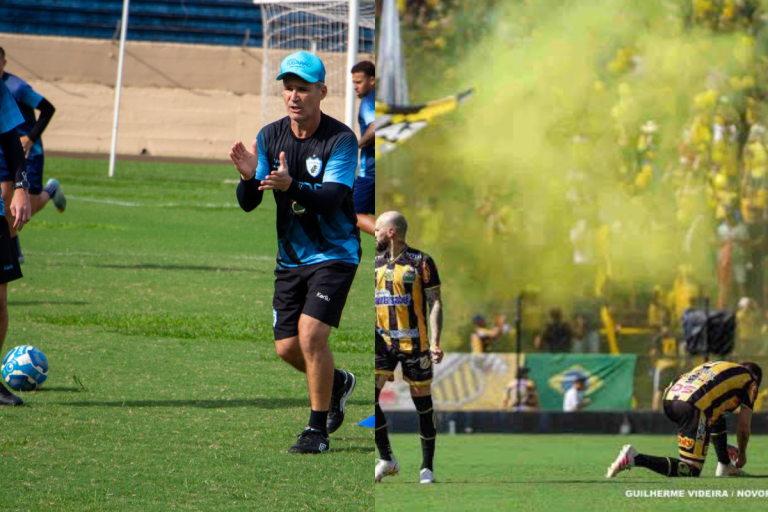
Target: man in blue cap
(10, 118)
(308, 160)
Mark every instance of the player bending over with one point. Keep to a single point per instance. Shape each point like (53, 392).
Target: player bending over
(30, 130)
(697, 403)
(407, 285)
(308, 160)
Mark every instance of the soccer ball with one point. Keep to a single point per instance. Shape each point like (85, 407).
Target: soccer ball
(25, 368)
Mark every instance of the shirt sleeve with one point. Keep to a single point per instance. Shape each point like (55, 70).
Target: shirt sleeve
(571, 401)
(10, 116)
(429, 274)
(368, 110)
(750, 395)
(262, 170)
(342, 165)
(26, 95)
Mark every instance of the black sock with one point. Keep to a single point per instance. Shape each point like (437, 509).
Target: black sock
(16, 245)
(427, 429)
(382, 436)
(318, 420)
(339, 379)
(667, 466)
(720, 442)
(51, 191)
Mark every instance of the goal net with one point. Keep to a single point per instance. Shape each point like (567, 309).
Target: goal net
(319, 27)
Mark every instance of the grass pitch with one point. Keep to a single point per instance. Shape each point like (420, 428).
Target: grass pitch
(555, 473)
(151, 298)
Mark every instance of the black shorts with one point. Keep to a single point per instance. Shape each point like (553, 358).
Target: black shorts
(417, 368)
(9, 261)
(693, 430)
(318, 290)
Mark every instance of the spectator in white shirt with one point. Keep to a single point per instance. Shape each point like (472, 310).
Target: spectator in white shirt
(575, 400)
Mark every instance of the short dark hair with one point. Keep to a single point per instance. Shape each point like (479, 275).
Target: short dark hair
(755, 370)
(366, 67)
(2, 51)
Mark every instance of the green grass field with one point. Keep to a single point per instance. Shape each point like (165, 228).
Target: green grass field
(151, 297)
(553, 473)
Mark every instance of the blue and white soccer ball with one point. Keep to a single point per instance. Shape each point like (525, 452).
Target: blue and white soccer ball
(25, 368)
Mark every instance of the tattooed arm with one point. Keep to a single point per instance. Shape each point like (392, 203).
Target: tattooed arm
(435, 304)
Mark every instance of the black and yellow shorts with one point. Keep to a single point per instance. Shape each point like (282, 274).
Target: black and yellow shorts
(417, 368)
(693, 430)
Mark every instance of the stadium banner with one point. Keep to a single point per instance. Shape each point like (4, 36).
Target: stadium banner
(469, 382)
(610, 379)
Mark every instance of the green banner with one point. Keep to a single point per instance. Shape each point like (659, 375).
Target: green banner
(610, 379)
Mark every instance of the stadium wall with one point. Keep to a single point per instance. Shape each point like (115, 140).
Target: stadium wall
(178, 99)
(491, 422)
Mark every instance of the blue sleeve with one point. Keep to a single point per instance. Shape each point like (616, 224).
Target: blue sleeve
(10, 116)
(342, 165)
(26, 95)
(262, 170)
(368, 110)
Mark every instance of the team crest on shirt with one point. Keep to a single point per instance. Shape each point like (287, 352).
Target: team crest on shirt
(314, 166)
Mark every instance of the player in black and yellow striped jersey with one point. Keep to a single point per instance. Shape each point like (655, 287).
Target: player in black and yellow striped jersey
(697, 402)
(409, 321)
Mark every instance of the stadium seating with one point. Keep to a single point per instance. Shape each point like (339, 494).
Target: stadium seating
(218, 22)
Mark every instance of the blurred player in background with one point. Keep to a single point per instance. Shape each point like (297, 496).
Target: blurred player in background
(10, 118)
(407, 289)
(483, 337)
(523, 387)
(308, 160)
(697, 402)
(364, 79)
(574, 399)
(31, 129)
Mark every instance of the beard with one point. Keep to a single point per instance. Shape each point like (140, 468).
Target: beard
(382, 245)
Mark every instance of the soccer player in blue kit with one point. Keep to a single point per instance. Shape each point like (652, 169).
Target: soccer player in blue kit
(30, 130)
(308, 160)
(364, 80)
(10, 118)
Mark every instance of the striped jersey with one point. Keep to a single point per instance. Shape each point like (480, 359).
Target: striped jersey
(401, 306)
(715, 388)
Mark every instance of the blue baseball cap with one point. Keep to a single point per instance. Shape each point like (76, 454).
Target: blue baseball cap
(303, 64)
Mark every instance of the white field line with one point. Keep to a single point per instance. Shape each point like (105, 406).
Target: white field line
(148, 254)
(140, 205)
(103, 201)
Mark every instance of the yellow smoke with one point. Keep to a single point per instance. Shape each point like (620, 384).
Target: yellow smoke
(564, 92)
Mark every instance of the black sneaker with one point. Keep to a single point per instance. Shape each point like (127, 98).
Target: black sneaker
(338, 403)
(8, 398)
(311, 441)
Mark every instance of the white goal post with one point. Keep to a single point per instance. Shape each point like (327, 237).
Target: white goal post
(340, 32)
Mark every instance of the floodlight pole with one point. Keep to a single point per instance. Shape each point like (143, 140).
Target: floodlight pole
(352, 50)
(518, 345)
(118, 87)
